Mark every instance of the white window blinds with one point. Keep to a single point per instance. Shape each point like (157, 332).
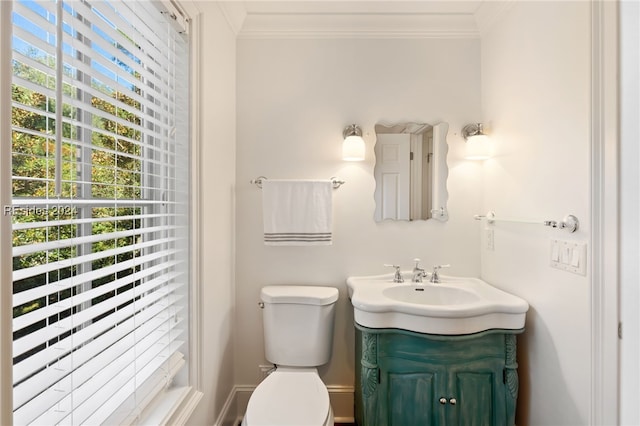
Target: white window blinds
(100, 155)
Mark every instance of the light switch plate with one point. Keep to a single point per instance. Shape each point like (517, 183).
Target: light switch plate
(570, 256)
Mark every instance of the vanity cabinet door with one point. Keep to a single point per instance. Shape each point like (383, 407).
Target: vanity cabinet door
(407, 379)
(423, 393)
(410, 392)
(476, 394)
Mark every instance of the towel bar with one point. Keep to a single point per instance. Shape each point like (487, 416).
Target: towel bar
(334, 181)
(569, 223)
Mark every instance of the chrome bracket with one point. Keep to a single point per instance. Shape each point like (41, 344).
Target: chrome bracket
(570, 223)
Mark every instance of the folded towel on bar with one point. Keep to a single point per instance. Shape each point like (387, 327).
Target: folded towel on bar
(297, 212)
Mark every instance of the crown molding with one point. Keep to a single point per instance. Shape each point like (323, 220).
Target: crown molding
(235, 12)
(351, 25)
(347, 23)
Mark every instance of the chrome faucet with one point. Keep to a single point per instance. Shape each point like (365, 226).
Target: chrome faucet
(435, 277)
(418, 272)
(397, 276)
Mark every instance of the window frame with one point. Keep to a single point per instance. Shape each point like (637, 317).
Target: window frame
(6, 263)
(173, 406)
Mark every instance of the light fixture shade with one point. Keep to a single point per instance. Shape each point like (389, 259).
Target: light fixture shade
(478, 148)
(353, 147)
(478, 145)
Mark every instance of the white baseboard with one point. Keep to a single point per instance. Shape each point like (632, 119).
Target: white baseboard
(235, 406)
(342, 400)
(229, 414)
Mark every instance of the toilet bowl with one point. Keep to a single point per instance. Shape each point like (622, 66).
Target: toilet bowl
(298, 331)
(290, 397)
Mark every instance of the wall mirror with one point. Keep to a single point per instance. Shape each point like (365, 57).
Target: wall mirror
(411, 171)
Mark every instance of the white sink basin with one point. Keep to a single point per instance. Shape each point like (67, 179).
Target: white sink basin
(455, 306)
(430, 295)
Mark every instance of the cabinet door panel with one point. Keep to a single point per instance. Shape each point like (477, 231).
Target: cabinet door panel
(474, 403)
(479, 392)
(410, 392)
(411, 399)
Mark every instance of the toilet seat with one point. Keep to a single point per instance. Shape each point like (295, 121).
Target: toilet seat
(290, 397)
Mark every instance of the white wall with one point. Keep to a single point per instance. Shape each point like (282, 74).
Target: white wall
(217, 94)
(294, 97)
(536, 101)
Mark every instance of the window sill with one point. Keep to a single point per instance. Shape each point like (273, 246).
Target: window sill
(173, 407)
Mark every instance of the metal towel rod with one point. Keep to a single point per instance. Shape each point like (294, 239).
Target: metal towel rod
(569, 223)
(337, 183)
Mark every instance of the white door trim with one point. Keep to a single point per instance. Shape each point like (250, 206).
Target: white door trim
(604, 213)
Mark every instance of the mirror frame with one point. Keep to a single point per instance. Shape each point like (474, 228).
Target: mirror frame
(440, 170)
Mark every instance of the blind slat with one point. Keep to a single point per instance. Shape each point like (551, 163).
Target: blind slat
(50, 223)
(93, 202)
(34, 65)
(76, 241)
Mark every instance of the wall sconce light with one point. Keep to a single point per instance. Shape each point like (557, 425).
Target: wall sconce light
(478, 147)
(353, 147)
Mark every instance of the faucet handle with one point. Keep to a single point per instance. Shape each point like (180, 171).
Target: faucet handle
(397, 278)
(436, 267)
(435, 277)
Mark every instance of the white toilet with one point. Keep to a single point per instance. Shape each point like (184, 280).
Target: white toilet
(298, 334)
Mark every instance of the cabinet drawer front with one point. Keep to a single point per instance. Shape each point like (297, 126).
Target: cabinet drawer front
(445, 349)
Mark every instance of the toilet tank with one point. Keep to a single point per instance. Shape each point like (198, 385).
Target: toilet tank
(298, 324)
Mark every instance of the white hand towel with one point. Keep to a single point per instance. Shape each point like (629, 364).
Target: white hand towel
(297, 212)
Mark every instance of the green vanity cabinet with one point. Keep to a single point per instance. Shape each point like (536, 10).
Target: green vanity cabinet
(405, 378)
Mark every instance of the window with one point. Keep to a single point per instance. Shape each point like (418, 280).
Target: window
(100, 209)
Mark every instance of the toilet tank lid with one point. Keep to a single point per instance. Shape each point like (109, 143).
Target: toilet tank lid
(304, 295)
